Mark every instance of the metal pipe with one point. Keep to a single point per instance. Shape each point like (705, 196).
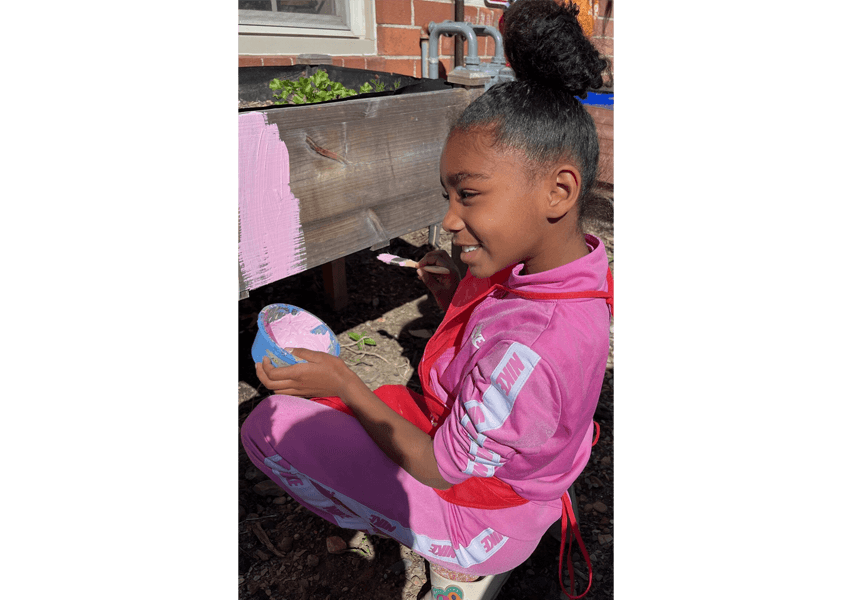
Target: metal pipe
(459, 9)
(423, 46)
(448, 27)
(493, 32)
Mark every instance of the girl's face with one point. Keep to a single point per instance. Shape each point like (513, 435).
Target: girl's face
(496, 215)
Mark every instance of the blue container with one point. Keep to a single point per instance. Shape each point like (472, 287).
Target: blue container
(602, 100)
(265, 344)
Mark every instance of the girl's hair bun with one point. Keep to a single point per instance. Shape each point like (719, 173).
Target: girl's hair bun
(545, 45)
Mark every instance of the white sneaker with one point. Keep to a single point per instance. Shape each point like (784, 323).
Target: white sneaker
(486, 588)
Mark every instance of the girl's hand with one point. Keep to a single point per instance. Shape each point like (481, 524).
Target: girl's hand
(321, 376)
(442, 286)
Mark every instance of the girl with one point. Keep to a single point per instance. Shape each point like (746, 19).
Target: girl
(473, 473)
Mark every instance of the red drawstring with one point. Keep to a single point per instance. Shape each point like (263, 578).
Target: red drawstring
(567, 515)
(608, 296)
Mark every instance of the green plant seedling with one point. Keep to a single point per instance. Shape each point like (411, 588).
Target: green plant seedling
(316, 88)
(362, 340)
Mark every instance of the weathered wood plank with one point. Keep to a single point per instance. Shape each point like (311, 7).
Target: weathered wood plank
(358, 153)
(370, 226)
(363, 172)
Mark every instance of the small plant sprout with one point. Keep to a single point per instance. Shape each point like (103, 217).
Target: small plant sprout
(362, 340)
(317, 88)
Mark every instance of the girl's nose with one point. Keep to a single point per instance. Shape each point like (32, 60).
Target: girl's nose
(451, 222)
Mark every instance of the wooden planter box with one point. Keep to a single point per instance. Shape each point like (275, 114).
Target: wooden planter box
(318, 182)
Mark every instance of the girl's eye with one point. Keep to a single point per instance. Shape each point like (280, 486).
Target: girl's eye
(462, 195)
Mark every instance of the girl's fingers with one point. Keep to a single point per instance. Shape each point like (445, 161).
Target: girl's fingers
(273, 377)
(438, 262)
(434, 257)
(304, 354)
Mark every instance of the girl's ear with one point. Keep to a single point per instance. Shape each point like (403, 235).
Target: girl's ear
(564, 190)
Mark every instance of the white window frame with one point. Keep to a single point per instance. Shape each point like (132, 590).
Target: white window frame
(351, 33)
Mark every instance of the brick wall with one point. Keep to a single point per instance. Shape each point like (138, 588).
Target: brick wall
(603, 34)
(400, 24)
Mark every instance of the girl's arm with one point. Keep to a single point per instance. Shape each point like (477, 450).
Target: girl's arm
(325, 375)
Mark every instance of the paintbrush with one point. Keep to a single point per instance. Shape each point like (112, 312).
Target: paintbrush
(392, 259)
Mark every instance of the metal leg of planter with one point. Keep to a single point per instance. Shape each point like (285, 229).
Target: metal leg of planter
(434, 234)
(333, 275)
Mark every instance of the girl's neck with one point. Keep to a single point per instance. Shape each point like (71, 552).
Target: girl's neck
(573, 249)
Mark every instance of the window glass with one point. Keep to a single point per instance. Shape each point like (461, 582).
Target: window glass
(307, 7)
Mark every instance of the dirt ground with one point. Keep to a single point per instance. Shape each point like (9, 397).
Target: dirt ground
(283, 548)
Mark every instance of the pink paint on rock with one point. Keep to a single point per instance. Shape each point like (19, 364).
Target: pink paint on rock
(294, 331)
(271, 239)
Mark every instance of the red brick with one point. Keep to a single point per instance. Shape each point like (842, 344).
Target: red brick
(250, 61)
(338, 61)
(603, 28)
(393, 41)
(487, 16)
(375, 63)
(355, 62)
(402, 66)
(278, 61)
(392, 11)
(604, 45)
(447, 45)
(604, 8)
(424, 12)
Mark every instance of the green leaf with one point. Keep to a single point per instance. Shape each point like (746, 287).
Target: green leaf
(370, 342)
(355, 336)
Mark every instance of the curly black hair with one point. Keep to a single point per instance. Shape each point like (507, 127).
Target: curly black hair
(539, 113)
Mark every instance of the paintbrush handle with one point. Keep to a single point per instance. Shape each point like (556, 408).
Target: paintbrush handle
(391, 259)
(436, 269)
(430, 268)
